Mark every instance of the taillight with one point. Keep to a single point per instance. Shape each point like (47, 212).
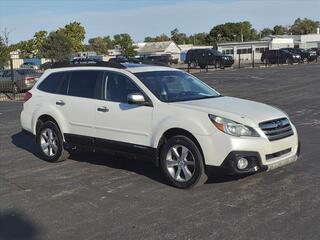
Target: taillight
(27, 96)
(28, 79)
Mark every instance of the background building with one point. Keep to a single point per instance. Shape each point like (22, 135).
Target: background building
(249, 50)
(159, 48)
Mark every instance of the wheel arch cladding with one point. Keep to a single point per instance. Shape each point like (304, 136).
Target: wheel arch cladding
(45, 118)
(175, 132)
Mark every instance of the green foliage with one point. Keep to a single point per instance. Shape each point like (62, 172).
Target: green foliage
(125, 44)
(279, 30)
(38, 40)
(4, 52)
(233, 32)
(75, 32)
(160, 38)
(199, 39)
(56, 46)
(304, 26)
(266, 32)
(26, 48)
(178, 37)
(100, 45)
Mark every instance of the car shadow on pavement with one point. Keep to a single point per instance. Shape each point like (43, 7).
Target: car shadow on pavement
(14, 225)
(25, 141)
(118, 161)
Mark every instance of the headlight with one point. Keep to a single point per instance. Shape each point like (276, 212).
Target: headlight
(232, 128)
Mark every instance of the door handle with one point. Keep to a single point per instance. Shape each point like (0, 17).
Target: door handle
(60, 103)
(103, 109)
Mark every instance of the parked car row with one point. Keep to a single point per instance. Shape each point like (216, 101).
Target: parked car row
(22, 80)
(288, 55)
(165, 59)
(206, 57)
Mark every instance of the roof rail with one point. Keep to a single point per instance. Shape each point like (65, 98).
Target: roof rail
(89, 63)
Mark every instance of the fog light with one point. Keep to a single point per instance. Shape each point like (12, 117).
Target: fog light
(242, 163)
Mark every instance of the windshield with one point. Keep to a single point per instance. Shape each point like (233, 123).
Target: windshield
(215, 52)
(175, 86)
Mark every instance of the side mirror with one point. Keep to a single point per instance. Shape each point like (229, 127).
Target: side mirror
(136, 98)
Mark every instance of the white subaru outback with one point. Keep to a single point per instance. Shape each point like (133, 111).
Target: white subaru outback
(158, 114)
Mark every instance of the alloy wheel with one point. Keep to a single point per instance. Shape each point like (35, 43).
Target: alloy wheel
(49, 142)
(180, 163)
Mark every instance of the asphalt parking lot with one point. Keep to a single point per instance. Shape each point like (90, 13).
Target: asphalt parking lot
(93, 196)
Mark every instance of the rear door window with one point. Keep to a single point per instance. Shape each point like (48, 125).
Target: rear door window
(51, 83)
(83, 83)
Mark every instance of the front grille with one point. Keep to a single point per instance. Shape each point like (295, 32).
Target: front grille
(277, 154)
(277, 129)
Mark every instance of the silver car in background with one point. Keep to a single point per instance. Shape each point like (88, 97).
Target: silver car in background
(23, 80)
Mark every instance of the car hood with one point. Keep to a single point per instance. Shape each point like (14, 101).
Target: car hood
(236, 109)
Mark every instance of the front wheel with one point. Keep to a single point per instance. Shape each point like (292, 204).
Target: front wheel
(50, 143)
(289, 61)
(182, 163)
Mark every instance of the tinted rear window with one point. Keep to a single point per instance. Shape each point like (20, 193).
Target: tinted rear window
(51, 83)
(83, 84)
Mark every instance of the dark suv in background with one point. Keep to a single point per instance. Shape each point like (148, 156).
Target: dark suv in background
(279, 56)
(205, 57)
(306, 56)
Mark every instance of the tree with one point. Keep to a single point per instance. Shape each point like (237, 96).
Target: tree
(56, 46)
(161, 38)
(304, 26)
(199, 39)
(178, 38)
(279, 30)
(76, 34)
(231, 32)
(4, 52)
(38, 39)
(100, 45)
(266, 32)
(26, 48)
(125, 44)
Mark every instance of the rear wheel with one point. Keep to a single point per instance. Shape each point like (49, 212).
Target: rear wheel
(218, 64)
(182, 163)
(203, 66)
(50, 143)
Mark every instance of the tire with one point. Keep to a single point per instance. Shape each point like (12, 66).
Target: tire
(218, 64)
(192, 170)
(50, 136)
(193, 64)
(289, 61)
(202, 66)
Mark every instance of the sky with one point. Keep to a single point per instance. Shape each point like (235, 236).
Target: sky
(141, 18)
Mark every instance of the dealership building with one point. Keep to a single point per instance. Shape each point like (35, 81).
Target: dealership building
(254, 49)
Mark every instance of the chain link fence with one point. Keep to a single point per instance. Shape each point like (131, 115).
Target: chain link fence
(14, 82)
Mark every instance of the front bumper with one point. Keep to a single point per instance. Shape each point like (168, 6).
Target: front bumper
(255, 163)
(218, 148)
